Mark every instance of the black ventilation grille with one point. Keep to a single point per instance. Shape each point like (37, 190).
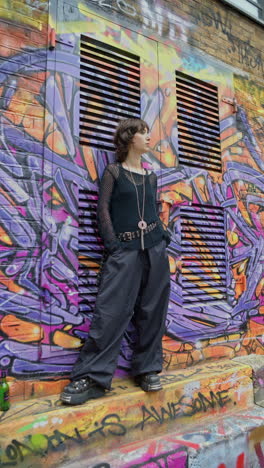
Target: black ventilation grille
(109, 91)
(90, 250)
(203, 254)
(198, 123)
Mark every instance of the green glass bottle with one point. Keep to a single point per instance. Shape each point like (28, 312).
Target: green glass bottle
(4, 392)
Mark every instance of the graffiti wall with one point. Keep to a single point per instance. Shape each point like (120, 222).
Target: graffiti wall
(23, 50)
(210, 26)
(43, 168)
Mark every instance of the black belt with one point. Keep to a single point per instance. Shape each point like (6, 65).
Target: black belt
(128, 236)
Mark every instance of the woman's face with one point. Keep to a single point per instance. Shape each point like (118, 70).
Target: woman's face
(140, 141)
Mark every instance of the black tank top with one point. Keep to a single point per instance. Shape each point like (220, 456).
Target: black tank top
(118, 209)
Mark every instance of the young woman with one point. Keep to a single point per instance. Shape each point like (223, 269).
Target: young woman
(135, 278)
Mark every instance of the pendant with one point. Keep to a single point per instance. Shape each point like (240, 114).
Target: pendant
(142, 224)
(142, 239)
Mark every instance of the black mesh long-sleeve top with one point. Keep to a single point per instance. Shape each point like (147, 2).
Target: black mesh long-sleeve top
(117, 210)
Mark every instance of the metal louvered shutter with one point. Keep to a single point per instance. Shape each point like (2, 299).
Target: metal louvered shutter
(204, 255)
(90, 249)
(198, 123)
(109, 91)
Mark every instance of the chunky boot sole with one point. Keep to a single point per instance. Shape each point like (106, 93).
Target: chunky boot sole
(147, 387)
(80, 398)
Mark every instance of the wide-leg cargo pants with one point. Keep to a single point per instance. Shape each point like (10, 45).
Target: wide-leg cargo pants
(134, 283)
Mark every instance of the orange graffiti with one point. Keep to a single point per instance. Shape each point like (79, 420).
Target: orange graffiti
(21, 330)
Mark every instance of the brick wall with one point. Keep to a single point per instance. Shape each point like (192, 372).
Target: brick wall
(209, 26)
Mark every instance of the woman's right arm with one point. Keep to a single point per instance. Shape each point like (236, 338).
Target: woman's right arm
(105, 224)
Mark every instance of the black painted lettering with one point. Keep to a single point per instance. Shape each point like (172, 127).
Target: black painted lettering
(21, 449)
(110, 424)
(58, 439)
(223, 398)
(208, 403)
(113, 424)
(11, 452)
(207, 18)
(163, 413)
(176, 409)
(146, 416)
(99, 430)
(247, 54)
(186, 404)
(197, 405)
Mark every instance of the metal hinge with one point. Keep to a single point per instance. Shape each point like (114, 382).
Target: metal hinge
(58, 39)
(232, 102)
(52, 39)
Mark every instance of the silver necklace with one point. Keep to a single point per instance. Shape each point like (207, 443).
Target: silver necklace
(142, 223)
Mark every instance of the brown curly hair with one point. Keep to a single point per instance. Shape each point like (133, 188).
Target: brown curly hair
(124, 134)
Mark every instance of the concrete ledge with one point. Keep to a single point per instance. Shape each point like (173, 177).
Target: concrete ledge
(41, 432)
(256, 362)
(227, 442)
